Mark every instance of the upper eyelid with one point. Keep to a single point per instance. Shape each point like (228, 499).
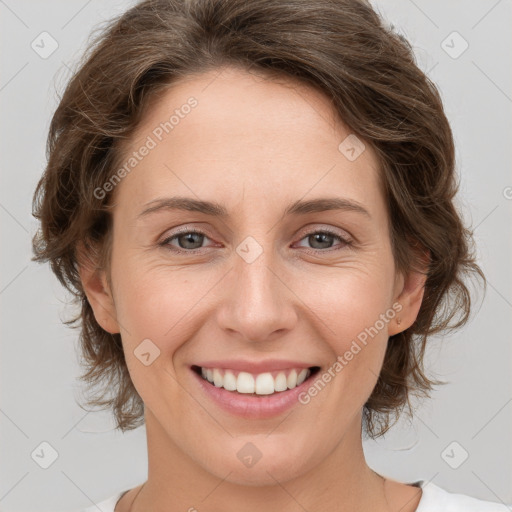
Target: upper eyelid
(305, 231)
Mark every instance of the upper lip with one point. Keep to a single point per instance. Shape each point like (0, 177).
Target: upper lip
(268, 365)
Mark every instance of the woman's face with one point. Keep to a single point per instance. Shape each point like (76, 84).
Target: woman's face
(260, 289)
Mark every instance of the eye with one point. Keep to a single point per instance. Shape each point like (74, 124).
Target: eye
(323, 239)
(188, 241)
(191, 240)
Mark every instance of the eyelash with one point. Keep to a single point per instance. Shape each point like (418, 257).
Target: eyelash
(166, 243)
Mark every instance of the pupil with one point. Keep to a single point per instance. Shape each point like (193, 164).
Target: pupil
(322, 236)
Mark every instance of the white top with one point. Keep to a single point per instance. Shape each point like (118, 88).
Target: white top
(433, 499)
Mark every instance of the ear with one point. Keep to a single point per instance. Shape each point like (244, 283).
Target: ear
(98, 292)
(409, 294)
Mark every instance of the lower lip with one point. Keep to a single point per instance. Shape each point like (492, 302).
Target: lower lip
(253, 407)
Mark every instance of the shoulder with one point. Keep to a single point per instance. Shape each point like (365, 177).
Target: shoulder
(107, 505)
(436, 499)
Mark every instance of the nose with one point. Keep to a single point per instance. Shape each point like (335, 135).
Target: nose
(257, 302)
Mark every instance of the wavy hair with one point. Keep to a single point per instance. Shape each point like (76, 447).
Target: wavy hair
(344, 49)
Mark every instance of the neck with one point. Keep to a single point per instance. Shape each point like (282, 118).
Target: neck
(342, 481)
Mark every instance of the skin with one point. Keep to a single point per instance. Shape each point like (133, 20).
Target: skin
(254, 145)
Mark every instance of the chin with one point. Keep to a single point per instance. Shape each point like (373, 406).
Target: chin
(259, 463)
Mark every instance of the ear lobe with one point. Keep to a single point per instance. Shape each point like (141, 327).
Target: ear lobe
(99, 295)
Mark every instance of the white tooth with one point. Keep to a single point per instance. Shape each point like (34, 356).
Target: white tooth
(245, 383)
(264, 384)
(229, 381)
(302, 376)
(217, 378)
(292, 379)
(280, 382)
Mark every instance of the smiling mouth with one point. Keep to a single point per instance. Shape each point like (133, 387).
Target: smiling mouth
(261, 384)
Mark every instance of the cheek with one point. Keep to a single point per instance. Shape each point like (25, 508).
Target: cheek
(153, 300)
(167, 305)
(154, 310)
(348, 301)
(352, 309)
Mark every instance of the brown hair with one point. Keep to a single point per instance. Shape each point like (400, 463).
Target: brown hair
(340, 47)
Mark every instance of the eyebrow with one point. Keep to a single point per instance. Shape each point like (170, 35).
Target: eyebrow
(217, 210)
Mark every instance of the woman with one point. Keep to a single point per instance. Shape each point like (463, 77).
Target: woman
(251, 203)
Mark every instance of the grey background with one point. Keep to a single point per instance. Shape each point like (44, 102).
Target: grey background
(39, 362)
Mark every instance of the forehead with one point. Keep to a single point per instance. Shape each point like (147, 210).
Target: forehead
(231, 131)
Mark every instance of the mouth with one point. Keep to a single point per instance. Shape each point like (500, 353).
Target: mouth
(256, 384)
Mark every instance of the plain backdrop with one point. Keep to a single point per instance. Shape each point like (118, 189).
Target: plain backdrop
(460, 439)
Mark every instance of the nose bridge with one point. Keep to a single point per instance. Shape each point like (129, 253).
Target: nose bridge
(257, 303)
(252, 269)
